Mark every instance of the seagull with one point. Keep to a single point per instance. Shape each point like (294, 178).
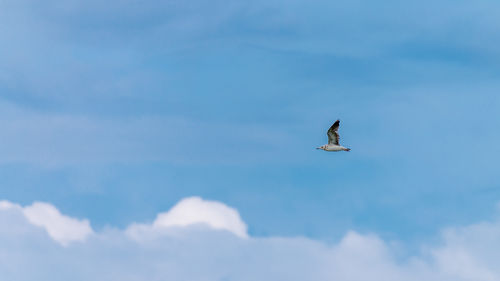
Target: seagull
(333, 139)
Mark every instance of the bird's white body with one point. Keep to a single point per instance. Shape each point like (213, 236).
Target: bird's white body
(333, 147)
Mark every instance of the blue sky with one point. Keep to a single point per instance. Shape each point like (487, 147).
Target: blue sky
(116, 111)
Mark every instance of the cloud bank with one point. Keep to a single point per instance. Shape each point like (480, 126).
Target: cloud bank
(207, 240)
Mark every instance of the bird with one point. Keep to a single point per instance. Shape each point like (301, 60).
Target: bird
(333, 139)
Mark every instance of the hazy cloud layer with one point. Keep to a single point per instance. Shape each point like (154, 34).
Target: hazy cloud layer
(157, 56)
(201, 252)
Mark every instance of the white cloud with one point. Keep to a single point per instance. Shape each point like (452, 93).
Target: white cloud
(463, 253)
(61, 228)
(6, 205)
(194, 210)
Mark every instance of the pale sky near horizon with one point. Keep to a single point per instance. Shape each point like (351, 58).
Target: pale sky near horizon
(113, 112)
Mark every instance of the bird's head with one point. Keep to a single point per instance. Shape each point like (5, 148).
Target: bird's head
(321, 147)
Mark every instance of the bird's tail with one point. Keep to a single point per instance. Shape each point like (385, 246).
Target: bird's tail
(347, 149)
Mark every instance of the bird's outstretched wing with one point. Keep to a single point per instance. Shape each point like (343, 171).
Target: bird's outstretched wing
(333, 135)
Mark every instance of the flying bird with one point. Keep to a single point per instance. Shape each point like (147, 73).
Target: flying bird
(333, 139)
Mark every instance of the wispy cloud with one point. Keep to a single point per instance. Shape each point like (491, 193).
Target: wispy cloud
(59, 139)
